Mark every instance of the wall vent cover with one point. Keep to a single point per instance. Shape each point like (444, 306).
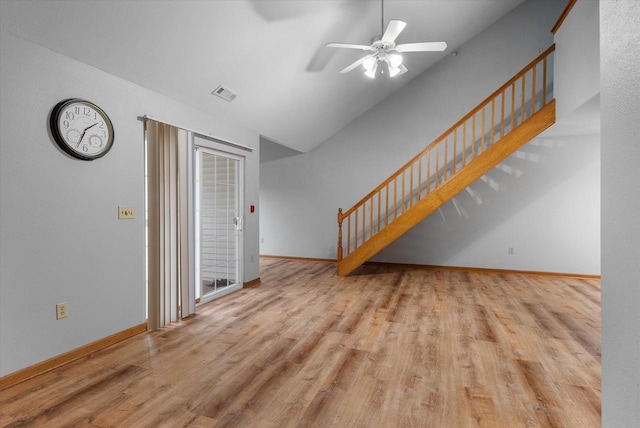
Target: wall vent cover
(224, 93)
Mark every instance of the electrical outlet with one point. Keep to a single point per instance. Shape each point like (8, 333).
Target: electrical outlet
(126, 212)
(510, 251)
(61, 310)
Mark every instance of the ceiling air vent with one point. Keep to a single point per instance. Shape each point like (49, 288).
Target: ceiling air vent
(224, 93)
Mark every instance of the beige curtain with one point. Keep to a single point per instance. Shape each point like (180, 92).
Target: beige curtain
(168, 221)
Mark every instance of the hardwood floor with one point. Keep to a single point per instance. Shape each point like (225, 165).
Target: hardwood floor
(385, 347)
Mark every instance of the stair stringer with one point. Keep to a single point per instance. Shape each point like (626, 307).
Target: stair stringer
(499, 151)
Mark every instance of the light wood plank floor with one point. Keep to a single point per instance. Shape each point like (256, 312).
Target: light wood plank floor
(386, 347)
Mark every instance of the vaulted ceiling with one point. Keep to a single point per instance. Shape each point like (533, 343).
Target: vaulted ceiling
(271, 53)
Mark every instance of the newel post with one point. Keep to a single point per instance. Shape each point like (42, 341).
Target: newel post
(339, 235)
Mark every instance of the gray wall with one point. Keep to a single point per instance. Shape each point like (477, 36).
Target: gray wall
(620, 133)
(61, 240)
(543, 201)
(577, 64)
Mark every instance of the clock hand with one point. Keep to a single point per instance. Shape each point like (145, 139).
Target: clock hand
(84, 132)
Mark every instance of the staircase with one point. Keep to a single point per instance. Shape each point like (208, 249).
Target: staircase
(510, 117)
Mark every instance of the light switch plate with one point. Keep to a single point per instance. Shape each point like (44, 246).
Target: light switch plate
(126, 212)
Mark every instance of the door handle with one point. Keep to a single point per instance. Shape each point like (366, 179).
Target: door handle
(237, 222)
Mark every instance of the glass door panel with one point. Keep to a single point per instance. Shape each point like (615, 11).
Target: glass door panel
(218, 209)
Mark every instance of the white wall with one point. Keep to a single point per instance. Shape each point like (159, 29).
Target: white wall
(61, 240)
(577, 64)
(308, 189)
(620, 133)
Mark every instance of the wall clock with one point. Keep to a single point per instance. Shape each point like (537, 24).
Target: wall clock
(81, 128)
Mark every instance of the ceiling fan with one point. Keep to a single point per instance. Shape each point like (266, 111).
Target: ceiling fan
(385, 54)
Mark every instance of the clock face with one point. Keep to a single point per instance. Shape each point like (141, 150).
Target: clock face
(81, 129)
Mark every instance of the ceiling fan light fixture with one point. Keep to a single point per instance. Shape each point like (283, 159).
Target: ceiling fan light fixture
(393, 71)
(371, 73)
(369, 63)
(394, 60)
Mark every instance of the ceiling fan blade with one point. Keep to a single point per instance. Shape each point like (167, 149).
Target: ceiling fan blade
(348, 46)
(422, 47)
(355, 64)
(394, 28)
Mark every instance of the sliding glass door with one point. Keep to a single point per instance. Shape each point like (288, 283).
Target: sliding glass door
(218, 224)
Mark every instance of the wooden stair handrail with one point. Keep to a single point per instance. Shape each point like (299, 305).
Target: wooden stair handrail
(452, 160)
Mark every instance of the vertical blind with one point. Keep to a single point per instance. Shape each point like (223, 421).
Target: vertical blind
(168, 221)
